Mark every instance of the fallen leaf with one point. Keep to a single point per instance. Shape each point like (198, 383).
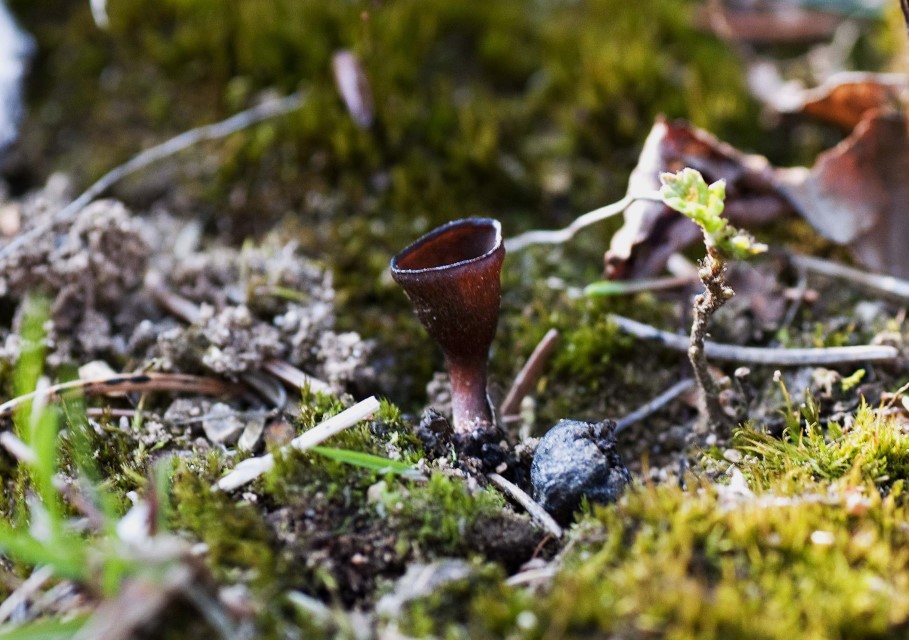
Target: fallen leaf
(652, 232)
(845, 97)
(768, 22)
(857, 195)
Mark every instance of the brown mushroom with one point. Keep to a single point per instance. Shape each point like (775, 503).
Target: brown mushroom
(451, 276)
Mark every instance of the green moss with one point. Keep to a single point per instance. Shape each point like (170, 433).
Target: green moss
(238, 540)
(437, 515)
(302, 475)
(871, 451)
(819, 551)
(444, 612)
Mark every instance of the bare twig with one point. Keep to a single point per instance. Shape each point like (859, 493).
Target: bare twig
(654, 405)
(759, 355)
(293, 376)
(215, 131)
(558, 236)
(124, 383)
(541, 574)
(252, 468)
(883, 284)
(24, 591)
(529, 373)
(532, 507)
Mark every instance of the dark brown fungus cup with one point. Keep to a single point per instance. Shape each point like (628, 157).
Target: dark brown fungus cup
(451, 276)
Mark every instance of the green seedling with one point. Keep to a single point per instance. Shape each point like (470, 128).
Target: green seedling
(688, 193)
(117, 553)
(368, 461)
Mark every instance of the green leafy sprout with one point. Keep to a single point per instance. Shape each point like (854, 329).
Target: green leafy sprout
(44, 535)
(688, 193)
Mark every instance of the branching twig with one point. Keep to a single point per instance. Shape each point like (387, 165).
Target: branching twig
(557, 236)
(760, 355)
(529, 373)
(536, 512)
(217, 130)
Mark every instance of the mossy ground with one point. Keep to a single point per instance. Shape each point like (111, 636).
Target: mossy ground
(532, 116)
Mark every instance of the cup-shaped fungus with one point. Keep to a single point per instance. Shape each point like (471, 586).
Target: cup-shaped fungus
(451, 276)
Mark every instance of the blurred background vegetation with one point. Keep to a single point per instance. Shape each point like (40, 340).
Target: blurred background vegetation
(531, 112)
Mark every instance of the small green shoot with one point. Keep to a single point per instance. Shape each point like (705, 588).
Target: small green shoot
(368, 461)
(850, 382)
(688, 193)
(103, 559)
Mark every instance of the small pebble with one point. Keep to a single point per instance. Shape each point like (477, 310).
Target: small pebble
(223, 425)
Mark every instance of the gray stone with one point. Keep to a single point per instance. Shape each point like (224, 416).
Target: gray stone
(577, 459)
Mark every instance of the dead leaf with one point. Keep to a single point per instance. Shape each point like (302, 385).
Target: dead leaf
(652, 232)
(768, 22)
(857, 194)
(845, 97)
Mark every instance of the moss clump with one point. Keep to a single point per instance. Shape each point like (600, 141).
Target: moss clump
(814, 547)
(871, 451)
(238, 540)
(302, 475)
(437, 517)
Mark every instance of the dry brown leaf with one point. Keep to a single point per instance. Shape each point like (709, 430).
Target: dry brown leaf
(845, 98)
(857, 194)
(652, 232)
(774, 22)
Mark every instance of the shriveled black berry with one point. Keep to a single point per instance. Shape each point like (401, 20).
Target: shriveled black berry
(576, 459)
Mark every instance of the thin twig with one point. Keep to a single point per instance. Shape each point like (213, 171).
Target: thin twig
(24, 591)
(296, 378)
(215, 131)
(252, 468)
(558, 236)
(125, 383)
(760, 355)
(655, 405)
(529, 373)
(532, 575)
(883, 284)
(532, 507)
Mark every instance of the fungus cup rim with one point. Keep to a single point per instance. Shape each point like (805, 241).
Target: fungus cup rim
(445, 228)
